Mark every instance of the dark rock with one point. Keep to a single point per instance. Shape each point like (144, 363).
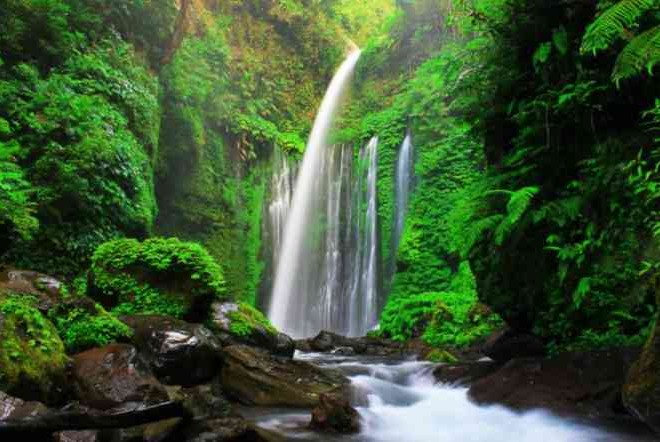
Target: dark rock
(45, 288)
(641, 392)
(303, 345)
(327, 341)
(113, 375)
(504, 345)
(335, 414)
(576, 384)
(203, 401)
(15, 408)
(464, 373)
(77, 436)
(233, 429)
(178, 352)
(255, 377)
(259, 335)
(344, 351)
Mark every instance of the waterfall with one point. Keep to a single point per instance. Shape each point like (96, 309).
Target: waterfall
(367, 252)
(295, 306)
(281, 189)
(404, 176)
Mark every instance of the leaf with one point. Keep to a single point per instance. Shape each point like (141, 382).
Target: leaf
(560, 40)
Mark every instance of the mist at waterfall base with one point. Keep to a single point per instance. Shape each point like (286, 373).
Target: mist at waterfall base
(399, 402)
(327, 258)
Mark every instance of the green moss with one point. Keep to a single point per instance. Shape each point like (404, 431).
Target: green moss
(246, 319)
(89, 326)
(31, 352)
(159, 276)
(441, 356)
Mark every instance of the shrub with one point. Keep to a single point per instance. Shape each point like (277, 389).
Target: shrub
(158, 276)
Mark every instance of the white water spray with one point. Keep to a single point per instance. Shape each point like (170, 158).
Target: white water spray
(288, 293)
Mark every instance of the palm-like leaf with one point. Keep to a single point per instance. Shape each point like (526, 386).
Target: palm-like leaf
(643, 52)
(613, 22)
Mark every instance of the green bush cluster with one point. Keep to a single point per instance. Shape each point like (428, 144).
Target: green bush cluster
(158, 276)
(85, 327)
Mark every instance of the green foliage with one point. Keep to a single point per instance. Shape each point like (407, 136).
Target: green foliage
(82, 328)
(16, 206)
(612, 23)
(159, 276)
(620, 20)
(31, 352)
(246, 319)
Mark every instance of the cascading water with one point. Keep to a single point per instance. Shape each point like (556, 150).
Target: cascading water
(364, 287)
(281, 189)
(399, 401)
(404, 177)
(296, 307)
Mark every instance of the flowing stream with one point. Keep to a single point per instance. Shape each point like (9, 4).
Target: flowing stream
(398, 402)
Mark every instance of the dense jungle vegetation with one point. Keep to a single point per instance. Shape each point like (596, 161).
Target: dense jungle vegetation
(126, 124)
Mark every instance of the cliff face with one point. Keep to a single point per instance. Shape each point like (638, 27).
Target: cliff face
(243, 78)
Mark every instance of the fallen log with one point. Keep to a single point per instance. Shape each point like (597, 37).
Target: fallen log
(54, 422)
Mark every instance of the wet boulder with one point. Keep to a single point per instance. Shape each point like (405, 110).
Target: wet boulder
(78, 436)
(641, 392)
(46, 289)
(506, 344)
(229, 429)
(464, 373)
(15, 408)
(33, 364)
(335, 414)
(177, 352)
(113, 375)
(239, 323)
(255, 377)
(573, 384)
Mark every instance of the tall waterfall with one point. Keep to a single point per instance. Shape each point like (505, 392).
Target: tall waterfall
(404, 176)
(296, 307)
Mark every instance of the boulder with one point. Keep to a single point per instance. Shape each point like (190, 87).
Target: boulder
(573, 384)
(113, 375)
(255, 377)
(203, 401)
(77, 436)
(15, 408)
(46, 289)
(230, 429)
(506, 344)
(327, 341)
(464, 373)
(334, 414)
(177, 352)
(641, 392)
(33, 363)
(241, 324)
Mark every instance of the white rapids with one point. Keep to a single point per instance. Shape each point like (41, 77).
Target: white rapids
(401, 403)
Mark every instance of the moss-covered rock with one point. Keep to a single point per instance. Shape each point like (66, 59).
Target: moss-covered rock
(242, 323)
(33, 363)
(163, 276)
(84, 324)
(441, 356)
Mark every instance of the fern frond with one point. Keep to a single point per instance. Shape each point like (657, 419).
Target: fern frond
(613, 22)
(643, 52)
(516, 207)
(476, 229)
